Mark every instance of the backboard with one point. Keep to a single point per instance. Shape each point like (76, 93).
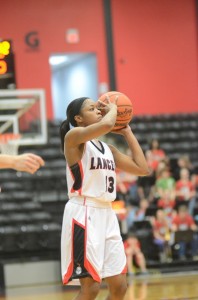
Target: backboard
(24, 112)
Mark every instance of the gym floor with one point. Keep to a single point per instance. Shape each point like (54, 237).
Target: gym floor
(174, 286)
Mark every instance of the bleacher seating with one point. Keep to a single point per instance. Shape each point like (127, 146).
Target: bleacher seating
(176, 133)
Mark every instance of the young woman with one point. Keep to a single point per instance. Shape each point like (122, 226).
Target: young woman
(91, 245)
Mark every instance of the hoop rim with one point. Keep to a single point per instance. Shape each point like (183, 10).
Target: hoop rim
(5, 138)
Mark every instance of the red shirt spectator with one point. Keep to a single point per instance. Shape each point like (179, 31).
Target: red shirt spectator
(154, 155)
(184, 190)
(183, 221)
(124, 180)
(133, 249)
(135, 244)
(160, 225)
(160, 228)
(163, 203)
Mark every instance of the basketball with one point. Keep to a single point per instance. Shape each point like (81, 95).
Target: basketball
(125, 108)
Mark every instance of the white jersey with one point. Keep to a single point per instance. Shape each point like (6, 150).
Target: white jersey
(94, 175)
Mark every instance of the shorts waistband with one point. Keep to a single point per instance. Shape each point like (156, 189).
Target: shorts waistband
(86, 201)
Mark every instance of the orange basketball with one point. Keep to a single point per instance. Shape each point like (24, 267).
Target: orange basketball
(125, 108)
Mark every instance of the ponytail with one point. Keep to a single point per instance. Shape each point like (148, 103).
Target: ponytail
(64, 128)
(73, 109)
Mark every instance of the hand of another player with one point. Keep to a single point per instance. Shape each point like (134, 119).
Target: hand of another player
(28, 162)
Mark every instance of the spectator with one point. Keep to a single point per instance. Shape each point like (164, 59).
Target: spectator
(137, 214)
(141, 211)
(165, 182)
(126, 186)
(133, 250)
(183, 162)
(161, 232)
(185, 190)
(163, 164)
(184, 222)
(167, 204)
(154, 155)
(195, 180)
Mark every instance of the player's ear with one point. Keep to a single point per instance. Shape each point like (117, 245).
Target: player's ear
(78, 119)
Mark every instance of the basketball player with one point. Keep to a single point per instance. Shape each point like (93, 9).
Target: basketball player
(91, 244)
(27, 162)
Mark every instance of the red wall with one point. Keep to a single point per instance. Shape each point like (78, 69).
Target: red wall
(155, 46)
(156, 54)
(51, 18)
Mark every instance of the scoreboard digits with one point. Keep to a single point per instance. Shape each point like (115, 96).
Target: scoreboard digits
(7, 72)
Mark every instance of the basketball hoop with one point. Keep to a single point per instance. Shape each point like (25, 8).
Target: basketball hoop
(9, 143)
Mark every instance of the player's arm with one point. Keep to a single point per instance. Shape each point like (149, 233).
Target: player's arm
(80, 135)
(27, 162)
(136, 164)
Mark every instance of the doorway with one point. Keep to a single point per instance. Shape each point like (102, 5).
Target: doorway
(73, 75)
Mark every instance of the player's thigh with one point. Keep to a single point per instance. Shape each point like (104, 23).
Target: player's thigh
(114, 256)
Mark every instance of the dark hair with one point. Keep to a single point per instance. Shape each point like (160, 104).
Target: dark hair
(73, 109)
(151, 143)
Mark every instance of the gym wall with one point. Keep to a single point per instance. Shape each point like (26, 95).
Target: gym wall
(155, 47)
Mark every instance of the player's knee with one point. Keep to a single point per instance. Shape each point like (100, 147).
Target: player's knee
(119, 289)
(91, 290)
(94, 289)
(123, 289)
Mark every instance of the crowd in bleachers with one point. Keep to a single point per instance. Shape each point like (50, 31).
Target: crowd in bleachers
(167, 200)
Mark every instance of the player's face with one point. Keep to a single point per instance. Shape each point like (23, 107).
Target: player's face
(90, 113)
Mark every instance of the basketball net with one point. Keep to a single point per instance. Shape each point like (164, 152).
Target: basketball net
(9, 143)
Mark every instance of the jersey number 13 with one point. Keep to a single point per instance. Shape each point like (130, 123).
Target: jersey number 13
(109, 184)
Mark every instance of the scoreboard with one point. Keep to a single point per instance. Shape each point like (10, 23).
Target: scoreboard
(7, 70)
